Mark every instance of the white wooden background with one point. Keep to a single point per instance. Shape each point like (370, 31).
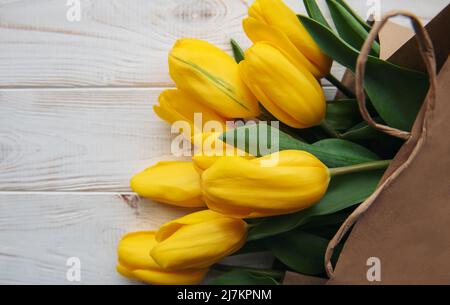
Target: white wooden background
(76, 122)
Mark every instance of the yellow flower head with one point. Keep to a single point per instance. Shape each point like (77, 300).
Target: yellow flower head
(289, 92)
(210, 76)
(172, 182)
(238, 187)
(198, 240)
(272, 21)
(136, 263)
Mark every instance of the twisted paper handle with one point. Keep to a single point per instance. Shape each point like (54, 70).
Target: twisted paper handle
(427, 52)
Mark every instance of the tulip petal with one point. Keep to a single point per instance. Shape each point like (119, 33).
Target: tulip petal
(136, 263)
(279, 15)
(170, 278)
(172, 182)
(125, 272)
(200, 245)
(134, 248)
(168, 229)
(260, 32)
(247, 188)
(270, 105)
(176, 105)
(171, 116)
(292, 158)
(157, 277)
(292, 94)
(209, 149)
(211, 76)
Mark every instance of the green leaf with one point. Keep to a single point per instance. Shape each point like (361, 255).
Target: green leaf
(314, 12)
(302, 252)
(251, 247)
(385, 146)
(237, 51)
(240, 277)
(325, 226)
(396, 93)
(332, 152)
(362, 131)
(343, 114)
(344, 192)
(327, 232)
(345, 152)
(325, 220)
(364, 24)
(349, 28)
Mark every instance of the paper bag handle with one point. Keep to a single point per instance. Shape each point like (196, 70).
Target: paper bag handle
(427, 52)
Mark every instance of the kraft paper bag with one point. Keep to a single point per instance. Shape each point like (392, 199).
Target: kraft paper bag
(401, 234)
(406, 230)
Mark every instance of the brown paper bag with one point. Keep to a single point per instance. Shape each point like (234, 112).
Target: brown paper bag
(407, 227)
(402, 233)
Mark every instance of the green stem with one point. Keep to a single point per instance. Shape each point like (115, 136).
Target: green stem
(277, 274)
(330, 131)
(340, 86)
(359, 168)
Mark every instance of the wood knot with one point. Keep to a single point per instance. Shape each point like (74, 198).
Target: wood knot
(10, 150)
(132, 200)
(200, 10)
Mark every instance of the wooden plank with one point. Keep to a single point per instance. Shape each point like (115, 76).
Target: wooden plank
(39, 232)
(123, 42)
(79, 140)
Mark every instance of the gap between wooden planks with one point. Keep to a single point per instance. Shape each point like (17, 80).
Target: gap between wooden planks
(125, 43)
(40, 231)
(79, 140)
(90, 141)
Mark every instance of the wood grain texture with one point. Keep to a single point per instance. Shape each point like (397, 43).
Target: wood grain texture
(39, 232)
(85, 140)
(79, 140)
(123, 42)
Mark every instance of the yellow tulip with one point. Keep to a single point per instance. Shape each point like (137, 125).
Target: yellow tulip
(172, 182)
(250, 188)
(136, 263)
(273, 21)
(213, 149)
(198, 240)
(210, 76)
(176, 105)
(289, 92)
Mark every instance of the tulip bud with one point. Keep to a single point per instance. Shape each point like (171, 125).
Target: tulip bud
(289, 92)
(212, 149)
(136, 263)
(198, 240)
(172, 182)
(249, 188)
(210, 76)
(176, 105)
(274, 22)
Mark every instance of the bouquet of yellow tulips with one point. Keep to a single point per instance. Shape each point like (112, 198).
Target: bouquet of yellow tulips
(275, 168)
